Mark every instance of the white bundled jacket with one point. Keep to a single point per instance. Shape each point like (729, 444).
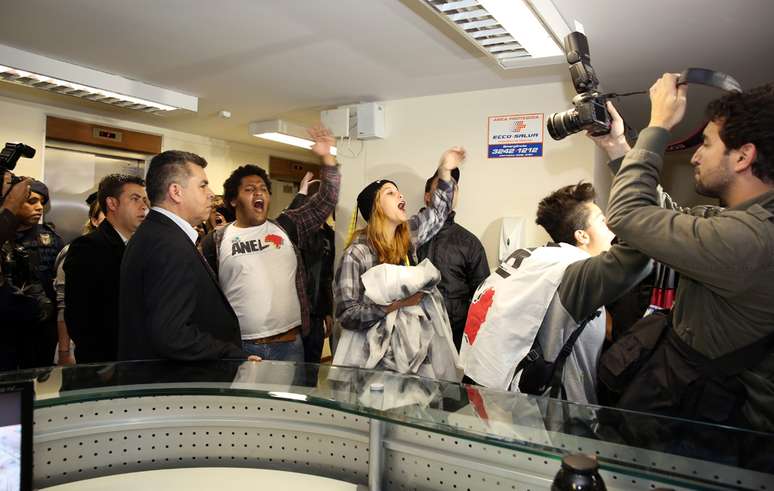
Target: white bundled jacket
(409, 340)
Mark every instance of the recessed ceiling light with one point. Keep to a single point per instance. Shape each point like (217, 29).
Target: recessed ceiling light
(282, 131)
(32, 70)
(515, 33)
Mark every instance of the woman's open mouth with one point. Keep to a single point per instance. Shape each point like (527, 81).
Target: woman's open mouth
(259, 205)
(402, 206)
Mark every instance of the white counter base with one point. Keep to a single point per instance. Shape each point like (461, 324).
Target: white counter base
(205, 478)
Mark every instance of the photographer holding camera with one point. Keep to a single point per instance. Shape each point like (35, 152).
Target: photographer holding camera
(716, 361)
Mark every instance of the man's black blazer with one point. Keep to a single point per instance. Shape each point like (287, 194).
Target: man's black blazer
(92, 268)
(171, 305)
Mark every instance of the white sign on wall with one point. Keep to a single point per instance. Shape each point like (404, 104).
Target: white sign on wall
(515, 135)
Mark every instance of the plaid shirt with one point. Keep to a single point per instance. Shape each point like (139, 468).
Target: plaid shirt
(299, 225)
(353, 309)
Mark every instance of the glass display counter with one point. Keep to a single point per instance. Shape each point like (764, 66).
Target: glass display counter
(369, 428)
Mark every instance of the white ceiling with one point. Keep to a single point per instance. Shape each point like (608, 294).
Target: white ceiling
(261, 59)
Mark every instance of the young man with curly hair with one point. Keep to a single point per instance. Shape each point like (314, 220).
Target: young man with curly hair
(258, 260)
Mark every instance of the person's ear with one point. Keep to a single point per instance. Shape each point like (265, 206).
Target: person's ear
(745, 157)
(112, 203)
(581, 237)
(175, 192)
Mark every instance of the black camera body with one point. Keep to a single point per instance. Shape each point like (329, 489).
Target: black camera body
(11, 153)
(589, 111)
(8, 158)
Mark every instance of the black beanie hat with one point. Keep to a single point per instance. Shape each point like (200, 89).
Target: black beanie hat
(365, 200)
(40, 188)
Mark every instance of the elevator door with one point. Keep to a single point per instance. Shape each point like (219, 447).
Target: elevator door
(72, 175)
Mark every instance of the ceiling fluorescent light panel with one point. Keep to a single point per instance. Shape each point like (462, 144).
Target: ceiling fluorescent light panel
(515, 33)
(281, 131)
(32, 70)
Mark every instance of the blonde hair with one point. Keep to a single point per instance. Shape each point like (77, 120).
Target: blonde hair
(94, 211)
(390, 252)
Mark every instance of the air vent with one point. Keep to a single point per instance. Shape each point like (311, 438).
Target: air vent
(515, 33)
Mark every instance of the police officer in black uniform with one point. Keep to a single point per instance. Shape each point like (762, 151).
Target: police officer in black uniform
(27, 298)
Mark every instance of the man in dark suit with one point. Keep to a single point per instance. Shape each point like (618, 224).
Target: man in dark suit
(171, 305)
(93, 265)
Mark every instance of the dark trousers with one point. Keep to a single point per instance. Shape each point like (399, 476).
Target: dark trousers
(313, 342)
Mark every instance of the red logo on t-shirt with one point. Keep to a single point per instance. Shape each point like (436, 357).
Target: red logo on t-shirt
(274, 239)
(477, 314)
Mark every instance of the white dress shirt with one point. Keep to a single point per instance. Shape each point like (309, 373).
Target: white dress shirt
(184, 226)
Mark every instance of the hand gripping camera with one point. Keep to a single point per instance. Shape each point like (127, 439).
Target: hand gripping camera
(8, 158)
(589, 111)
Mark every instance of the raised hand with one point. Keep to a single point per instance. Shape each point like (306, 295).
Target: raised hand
(303, 187)
(323, 141)
(452, 158)
(16, 195)
(667, 101)
(614, 143)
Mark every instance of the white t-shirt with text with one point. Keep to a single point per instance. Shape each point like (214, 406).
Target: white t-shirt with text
(257, 272)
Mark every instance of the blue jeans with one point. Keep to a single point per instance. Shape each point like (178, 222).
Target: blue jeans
(287, 351)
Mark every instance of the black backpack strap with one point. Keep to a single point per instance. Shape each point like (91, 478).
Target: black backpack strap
(561, 359)
(535, 352)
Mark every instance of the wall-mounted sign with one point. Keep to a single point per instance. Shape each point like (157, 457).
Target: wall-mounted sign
(515, 135)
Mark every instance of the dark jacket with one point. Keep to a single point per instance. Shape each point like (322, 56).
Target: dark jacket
(318, 255)
(92, 270)
(725, 262)
(27, 298)
(460, 257)
(8, 225)
(171, 305)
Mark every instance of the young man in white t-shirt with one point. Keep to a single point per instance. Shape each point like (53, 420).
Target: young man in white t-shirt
(258, 260)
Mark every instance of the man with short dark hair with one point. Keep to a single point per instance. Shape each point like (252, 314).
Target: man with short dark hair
(92, 269)
(461, 259)
(544, 294)
(259, 261)
(171, 305)
(725, 257)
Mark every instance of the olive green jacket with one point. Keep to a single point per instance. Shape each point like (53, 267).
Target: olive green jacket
(725, 298)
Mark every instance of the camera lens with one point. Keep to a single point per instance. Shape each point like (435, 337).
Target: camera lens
(27, 151)
(561, 125)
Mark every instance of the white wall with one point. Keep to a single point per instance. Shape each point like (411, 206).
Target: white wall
(26, 122)
(419, 129)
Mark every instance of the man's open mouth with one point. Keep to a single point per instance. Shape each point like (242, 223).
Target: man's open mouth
(259, 205)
